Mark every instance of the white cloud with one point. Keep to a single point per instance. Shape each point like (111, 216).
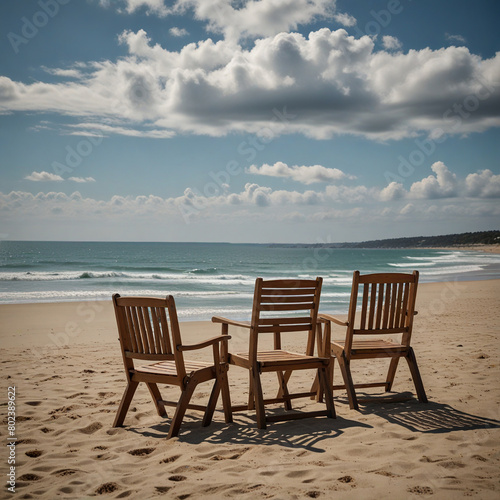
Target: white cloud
(443, 185)
(331, 83)
(156, 7)
(178, 32)
(391, 42)
(483, 184)
(81, 179)
(345, 19)
(393, 191)
(455, 38)
(43, 177)
(254, 18)
(304, 174)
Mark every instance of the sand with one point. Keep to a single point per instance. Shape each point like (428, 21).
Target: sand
(65, 364)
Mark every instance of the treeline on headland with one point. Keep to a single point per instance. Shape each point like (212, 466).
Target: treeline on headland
(447, 240)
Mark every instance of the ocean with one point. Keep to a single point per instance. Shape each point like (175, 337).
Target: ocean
(209, 278)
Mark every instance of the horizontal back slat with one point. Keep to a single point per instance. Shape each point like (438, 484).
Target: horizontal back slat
(285, 328)
(288, 299)
(288, 283)
(286, 307)
(141, 302)
(271, 292)
(285, 321)
(386, 278)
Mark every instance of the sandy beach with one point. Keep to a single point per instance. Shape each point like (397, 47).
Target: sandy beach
(65, 364)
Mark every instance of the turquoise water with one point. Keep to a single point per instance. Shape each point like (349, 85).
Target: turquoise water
(209, 278)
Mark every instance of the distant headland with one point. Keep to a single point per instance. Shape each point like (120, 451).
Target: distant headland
(479, 240)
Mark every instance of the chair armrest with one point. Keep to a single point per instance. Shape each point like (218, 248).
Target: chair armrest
(329, 317)
(205, 343)
(220, 319)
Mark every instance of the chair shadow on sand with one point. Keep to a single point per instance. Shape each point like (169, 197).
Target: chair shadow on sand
(302, 434)
(432, 417)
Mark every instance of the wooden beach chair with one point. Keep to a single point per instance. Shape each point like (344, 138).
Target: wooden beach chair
(273, 301)
(387, 307)
(144, 334)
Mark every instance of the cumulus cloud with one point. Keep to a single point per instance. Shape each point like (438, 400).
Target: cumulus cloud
(178, 32)
(156, 7)
(483, 184)
(345, 19)
(43, 177)
(391, 42)
(330, 82)
(442, 185)
(304, 174)
(81, 179)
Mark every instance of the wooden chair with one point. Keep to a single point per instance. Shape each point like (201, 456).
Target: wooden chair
(387, 307)
(144, 334)
(281, 297)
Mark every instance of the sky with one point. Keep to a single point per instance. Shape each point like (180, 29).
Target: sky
(284, 121)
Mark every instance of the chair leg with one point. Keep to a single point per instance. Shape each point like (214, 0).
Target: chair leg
(212, 401)
(155, 394)
(125, 403)
(283, 391)
(326, 389)
(181, 408)
(415, 373)
(226, 396)
(259, 399)
(316, 389)
(345, 368)
(251, 396)
(391, 373)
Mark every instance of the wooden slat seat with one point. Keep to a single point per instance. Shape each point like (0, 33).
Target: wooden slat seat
(149, 331)
(273, 302)
(168, 367)
(371, 348)
(387, 307)
(268, 360)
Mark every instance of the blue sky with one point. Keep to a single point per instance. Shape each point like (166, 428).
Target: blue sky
(248, 121)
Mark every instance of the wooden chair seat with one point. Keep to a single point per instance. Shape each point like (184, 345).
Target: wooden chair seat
(144, 334)
(269, 360)
(370, 348)
(279, 298)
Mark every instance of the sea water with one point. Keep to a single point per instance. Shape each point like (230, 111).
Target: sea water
(210, 278)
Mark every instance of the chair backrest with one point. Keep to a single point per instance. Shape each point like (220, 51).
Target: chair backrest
(387, 304)
(143, 327)
(281, 297)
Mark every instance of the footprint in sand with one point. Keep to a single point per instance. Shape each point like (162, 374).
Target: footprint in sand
(421, 490)
(141, 452)
(33, 453)
(90, 429)
(177, 478)
(29, 477)
(162, 489)
(169, 460)
(34, 403)
(106, 488)
(64, 472)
